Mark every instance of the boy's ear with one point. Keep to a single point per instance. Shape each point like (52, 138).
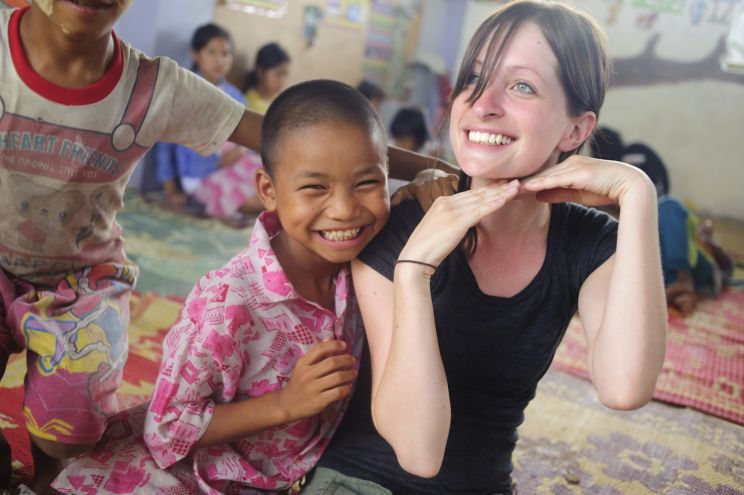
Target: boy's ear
(265, 189)
(579, 131)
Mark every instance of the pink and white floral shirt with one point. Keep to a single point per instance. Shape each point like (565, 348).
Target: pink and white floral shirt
(241, 332)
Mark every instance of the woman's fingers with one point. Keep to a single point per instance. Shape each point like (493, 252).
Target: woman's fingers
(446, 223)
(582, 179)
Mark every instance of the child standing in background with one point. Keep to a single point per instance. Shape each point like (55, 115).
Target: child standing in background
(268, 77)
(255, 375)
(223, 182)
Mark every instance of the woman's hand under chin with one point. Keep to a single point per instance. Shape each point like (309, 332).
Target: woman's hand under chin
(589, 181)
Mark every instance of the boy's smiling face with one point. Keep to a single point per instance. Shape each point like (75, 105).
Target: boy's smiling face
(329, 189)
(84, 19)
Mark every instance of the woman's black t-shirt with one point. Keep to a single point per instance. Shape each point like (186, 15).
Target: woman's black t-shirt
(494, 350)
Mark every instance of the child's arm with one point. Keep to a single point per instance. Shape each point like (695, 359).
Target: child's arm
(248, 131)
(322, 376)
(404, 164)
(622, 302)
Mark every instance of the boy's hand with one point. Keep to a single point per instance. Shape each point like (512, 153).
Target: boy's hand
(428, 185)
(322, 376)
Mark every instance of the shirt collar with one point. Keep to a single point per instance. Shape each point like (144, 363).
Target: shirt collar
(269, 282)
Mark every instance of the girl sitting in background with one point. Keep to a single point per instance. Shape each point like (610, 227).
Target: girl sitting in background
(222, 183)
(267, 78)
(409, 130)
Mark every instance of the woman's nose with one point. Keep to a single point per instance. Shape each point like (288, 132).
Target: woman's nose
(489, 104)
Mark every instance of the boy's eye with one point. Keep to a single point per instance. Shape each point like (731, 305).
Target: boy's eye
(312, 187)
(368, 182)
(523, 87)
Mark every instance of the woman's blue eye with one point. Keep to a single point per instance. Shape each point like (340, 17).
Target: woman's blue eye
(472, 78)
(523, 87)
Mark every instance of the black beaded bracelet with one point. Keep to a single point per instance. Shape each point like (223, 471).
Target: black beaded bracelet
(418, 263)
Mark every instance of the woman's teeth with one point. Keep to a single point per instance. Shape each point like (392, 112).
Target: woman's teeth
(340, 235)
(488, 138)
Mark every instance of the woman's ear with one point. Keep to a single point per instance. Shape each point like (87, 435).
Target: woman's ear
(579, 131)
(265, 189)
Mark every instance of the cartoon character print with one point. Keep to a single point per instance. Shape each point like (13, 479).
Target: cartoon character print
(87, 337)
(46, 211)
(104, 201)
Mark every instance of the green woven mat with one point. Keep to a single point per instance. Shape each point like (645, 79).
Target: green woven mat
(172, 249)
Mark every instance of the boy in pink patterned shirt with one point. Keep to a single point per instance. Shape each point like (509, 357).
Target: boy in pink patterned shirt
(257, 373)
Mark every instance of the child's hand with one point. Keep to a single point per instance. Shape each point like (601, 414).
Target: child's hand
(428, 185)
(588, 181)
(322, 376)
(450, 217)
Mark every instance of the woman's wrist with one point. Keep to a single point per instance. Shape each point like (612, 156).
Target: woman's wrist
(639, 190)
(409, 268)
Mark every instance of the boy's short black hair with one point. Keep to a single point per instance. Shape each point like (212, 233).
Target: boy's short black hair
(410, 122)
(310, 103)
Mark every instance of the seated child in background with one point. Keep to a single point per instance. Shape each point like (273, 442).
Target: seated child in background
(222, 182)
(693, 264)
(409, 130)
(256, 374)
(372, 92)
(267, 78)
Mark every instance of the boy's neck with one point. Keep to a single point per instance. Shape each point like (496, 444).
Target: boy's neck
(61, 59)
(311, 276)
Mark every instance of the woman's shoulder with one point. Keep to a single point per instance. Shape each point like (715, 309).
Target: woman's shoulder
(383, 250)
(404, 218)
(577, 216)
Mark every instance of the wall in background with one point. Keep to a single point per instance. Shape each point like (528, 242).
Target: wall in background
(336, 53)
(669, 91)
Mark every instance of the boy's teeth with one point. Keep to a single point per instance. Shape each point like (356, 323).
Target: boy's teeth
(488, 138)
(340, 235)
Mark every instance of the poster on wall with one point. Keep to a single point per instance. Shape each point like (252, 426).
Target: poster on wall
(388, 29)
(351, 14)
(269, 8)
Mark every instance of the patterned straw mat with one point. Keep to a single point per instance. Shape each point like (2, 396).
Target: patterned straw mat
(569, 443)
(704, 366)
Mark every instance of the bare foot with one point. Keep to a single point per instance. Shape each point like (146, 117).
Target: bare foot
(681, 293)
(684, 303)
